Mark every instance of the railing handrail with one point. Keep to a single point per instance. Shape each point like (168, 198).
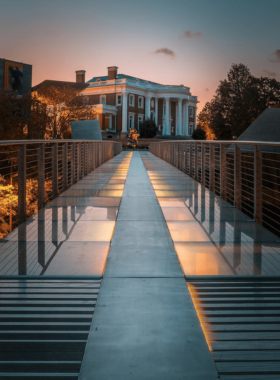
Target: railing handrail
(225, 142)
(28, 142)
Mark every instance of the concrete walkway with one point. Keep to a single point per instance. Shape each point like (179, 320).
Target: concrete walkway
(145, 325)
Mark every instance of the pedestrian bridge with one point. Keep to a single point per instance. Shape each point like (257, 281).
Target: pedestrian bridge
(138, 271)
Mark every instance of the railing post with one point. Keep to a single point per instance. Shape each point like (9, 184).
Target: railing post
(94, 156)
(186, 158)
(22, 184)
(212, 168)
(90, 157)
(65, 166)
(191, 160)
(78, 161)
(41, 176)
(73, 159)
(195, 162)
(55, 170)
(85, 159)
(257, 184)
(223, 158)
(203, 164)
(237, 177)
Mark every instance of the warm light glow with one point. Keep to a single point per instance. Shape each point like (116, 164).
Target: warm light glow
(198, 310)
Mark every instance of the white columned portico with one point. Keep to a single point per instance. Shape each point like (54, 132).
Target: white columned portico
(156, 111)
(167, 116)
(124, 113)
(180, 118)
(148, 106)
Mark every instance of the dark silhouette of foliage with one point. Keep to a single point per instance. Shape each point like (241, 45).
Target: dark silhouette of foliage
(199, 134)
(148, 129)
(238, 101)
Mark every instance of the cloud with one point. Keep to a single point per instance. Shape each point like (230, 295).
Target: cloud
(189, 34)
(270, 73)
(165, 51)
(276, 56)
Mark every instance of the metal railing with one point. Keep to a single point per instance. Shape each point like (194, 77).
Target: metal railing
(33, 173)
(245, 174)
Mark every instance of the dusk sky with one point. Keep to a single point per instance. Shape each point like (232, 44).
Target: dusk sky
(171, 42)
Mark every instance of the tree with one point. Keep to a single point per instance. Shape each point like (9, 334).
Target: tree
(64, 106)
(238, 101)
(199, 134)
(148, 128)
(22, 117)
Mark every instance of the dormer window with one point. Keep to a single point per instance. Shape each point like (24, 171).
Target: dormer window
(103, 99)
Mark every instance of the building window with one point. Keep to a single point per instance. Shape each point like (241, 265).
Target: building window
(103, 99)
(152, 116)
(191, 111)
(131, 121)
(131, 100)
(152, 103)
(140, 120)
(191, 129)
(119, 100)
(164, 110)
(85, 99)
(141, 102)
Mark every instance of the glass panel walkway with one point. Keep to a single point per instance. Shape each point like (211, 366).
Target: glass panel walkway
(186, 279)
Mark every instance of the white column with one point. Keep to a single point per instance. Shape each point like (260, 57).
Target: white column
(167, 122)
(156, 111)
(148, 106)
(180, 118)
(124, 112)
(187, 118)
(184, 119)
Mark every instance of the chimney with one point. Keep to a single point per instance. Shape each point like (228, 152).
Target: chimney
(112, 72)
(80, 76)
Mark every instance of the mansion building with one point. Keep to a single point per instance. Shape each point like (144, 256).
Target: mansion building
(123, 102)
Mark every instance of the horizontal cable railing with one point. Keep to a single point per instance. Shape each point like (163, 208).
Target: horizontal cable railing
(33, 173)
(245, 174)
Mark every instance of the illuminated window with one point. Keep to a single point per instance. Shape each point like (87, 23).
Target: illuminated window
(103, 99)
(119, 100)
(131, 100)
(140, 102)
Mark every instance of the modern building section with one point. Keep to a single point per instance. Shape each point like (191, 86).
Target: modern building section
(15, 76)
(122, 102)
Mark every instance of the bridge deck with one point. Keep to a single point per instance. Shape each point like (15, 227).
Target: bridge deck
(150, 321)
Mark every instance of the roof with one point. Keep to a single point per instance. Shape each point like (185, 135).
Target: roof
(119, 76)
(266, 128)
(60, 84)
